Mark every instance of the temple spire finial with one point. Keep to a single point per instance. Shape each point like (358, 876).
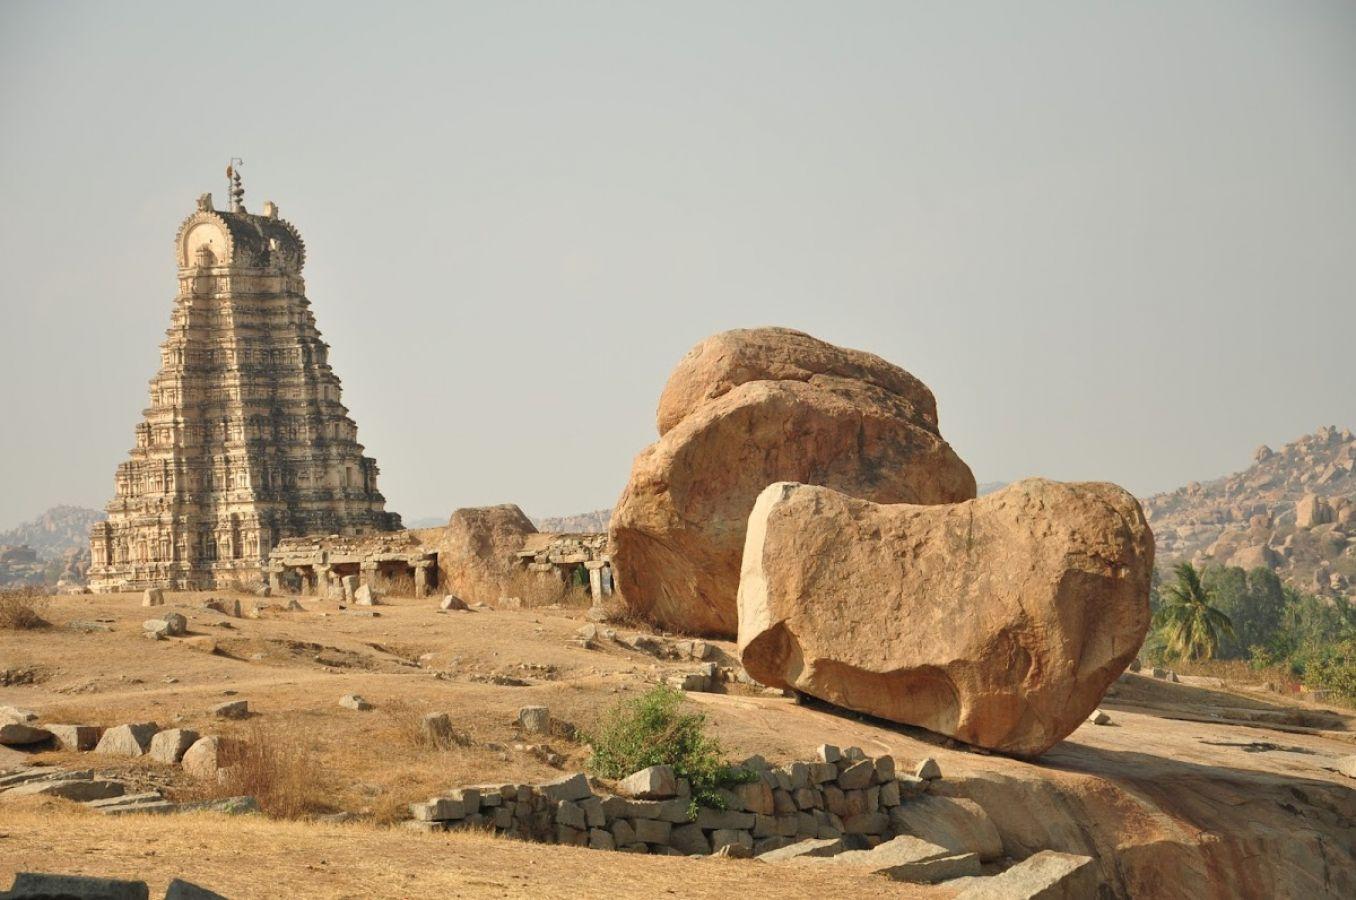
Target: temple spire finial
(233, 187)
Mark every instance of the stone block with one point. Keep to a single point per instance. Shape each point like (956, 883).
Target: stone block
(928, 770)
(623, 833)
(1100, 717)
(503, 818)
(889, 794)
(808, 798)
(153, 597)
(653, 783)
(569, 813)
(828, 753)
(858, 775)
(436, 729)
(568, 835)
(885, 769)
(755, 797)
(835, 800)
(75, 737)
(354, 701)
(568, 787)
(764, 826)
(366, 595)
(170, 745)
(727, 820)
(652, 831)
(854, 754)
(732, 837)
(782, 803)
(452, 603)
(593, 812)
(822, 773)
(127, 740)
(601, 840)
(690, 839)
(535, 719)
(806, 825)
(40, 886)
(799, 773)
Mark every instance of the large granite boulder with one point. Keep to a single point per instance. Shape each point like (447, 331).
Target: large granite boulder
(999, 621)
(477, 550)
(744, 409)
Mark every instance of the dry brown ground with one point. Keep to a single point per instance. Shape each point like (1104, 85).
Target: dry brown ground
(293, 667)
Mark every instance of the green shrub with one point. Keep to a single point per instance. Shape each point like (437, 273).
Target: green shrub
(652, 730)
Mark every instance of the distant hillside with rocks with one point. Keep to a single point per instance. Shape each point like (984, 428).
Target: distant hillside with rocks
(54, 533)
(583, 523)
(1293, 511)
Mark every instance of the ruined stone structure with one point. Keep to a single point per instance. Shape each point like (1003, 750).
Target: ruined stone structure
(245, 441)
(578, 559)
(384, 562)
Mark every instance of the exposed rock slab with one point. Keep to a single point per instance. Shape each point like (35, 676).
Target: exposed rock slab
(744, 409)
(999, 621)
(1048, 875)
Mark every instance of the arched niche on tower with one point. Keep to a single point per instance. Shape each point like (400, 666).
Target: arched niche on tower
(204, 239)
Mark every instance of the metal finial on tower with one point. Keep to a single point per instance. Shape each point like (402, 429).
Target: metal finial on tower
(233, 187)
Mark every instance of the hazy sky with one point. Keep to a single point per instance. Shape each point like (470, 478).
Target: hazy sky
(1118, 241)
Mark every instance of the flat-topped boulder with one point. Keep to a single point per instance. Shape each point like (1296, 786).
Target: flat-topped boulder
(746, 408)
(127, 740)
(999, 621)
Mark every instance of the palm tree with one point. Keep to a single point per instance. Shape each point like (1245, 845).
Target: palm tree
(1190, 623)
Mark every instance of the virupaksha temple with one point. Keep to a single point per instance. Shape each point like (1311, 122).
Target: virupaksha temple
(246, 441)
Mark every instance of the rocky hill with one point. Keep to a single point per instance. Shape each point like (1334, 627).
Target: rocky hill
(1293, 510)
(582, 523)
(56, 532)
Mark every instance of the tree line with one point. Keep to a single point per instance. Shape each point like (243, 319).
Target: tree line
(1225, 612)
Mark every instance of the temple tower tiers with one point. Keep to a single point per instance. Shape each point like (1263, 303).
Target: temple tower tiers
(245, 441)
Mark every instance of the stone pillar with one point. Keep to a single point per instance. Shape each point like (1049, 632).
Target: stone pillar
(595, 580)
(275, 580)
(322, 580)
(369, 570)
(421, 579)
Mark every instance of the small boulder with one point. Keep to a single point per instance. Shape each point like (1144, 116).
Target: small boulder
(232, 709)
(1100, 717)
(354, 701)
(127, 740)
(18, 731)
(170, 745)
(366, 596)
(928, 770)
(451, 602)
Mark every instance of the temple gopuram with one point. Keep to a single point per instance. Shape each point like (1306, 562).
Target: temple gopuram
(246, 441)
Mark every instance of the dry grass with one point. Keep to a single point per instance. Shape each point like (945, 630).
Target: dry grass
(1237, 672)
(277, 767)
(407, 728)
(537, 589)
(22, 609)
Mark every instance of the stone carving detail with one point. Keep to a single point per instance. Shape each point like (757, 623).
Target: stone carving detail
(245, 441)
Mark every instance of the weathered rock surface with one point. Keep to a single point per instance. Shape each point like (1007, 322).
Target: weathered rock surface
(205, 758)
(1049, 875)
(476, 550)
(746, 408)
(170, 745)
(1000, 621)
(127, 740)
